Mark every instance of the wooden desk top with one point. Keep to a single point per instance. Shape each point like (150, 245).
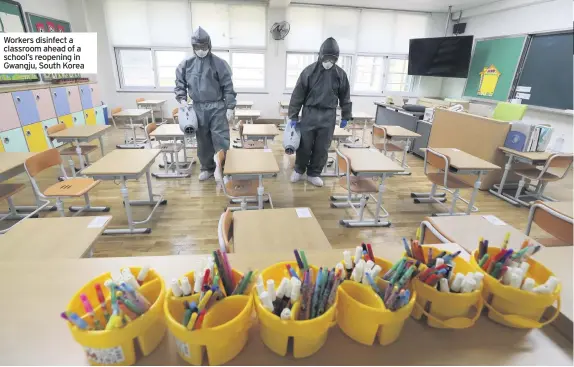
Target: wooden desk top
(362, 116)
(132, 112)
(341, 133)
(562, 207)
(50, 238)
(397, 131)
(370, 160)
(250, 162)
(122, 162)
(533, 156)
(260, 130)
(11, 160)
(167, 130)
(462, 161)
(152, 101)
(247, 113)
(81, 131)
(55, 282)
(276, 230)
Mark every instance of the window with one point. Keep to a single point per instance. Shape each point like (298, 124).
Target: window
(296, 62)
(368, 74)
(397, 78)
(248, 70)
(167, 62)
(135, 68)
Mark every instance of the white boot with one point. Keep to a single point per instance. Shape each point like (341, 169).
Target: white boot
(295, 176)
(316, 181)
(204, 175)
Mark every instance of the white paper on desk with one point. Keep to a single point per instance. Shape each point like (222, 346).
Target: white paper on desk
(374, 150)
(98, 222)
(523, 96)
(267, 150)
(523, 89)
(494, 220)
(303, 213)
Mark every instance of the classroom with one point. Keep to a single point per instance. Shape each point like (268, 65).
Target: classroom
(273, 182)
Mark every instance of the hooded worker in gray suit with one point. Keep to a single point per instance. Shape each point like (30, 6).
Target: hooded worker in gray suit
(207, 80)
(320, 87)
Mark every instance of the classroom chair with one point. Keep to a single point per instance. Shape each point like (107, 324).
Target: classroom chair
(358, 188)
(69, 188)
(506, 111)
(441, 177)
(242, 191)
(382, 143)
(171, 147)
(555, 169)
(225, 230)
(6, 193)
(174, 113)
(247, 144)
(114, 111)
(70, 151)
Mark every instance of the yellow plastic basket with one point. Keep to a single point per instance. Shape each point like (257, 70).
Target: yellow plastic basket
(362, 315)
(512, 306)
(224, 331)
(447, 310)
(308, 335)
(117, 347)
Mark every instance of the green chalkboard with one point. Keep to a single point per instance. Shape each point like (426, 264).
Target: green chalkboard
(493, 67)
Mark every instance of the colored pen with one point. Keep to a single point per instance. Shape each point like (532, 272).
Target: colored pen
(102, 300)
(407, 249)
(192, 321)
(90, 311)
(77, 320)
(199, 321)
(142, 274)
(370, 251)
(304, 259)
(299, 260)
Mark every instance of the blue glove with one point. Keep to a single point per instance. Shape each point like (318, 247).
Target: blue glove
(343, 124)
(292, 124)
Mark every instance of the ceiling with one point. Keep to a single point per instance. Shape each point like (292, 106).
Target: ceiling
(416, 5)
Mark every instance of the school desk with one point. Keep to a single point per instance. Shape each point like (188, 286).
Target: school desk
(180, 169)
(359, 122)
(152, 104)
(131, 115)
(126, 165)
(260, 131)
(32, 332)
(462, 163)
(247, 114)
(81, 134)
(531, 158)
(52, 238)
(251, 164)
(554, 218)
(244, 105)
(367, 162)
(276, 230)
(400, 133)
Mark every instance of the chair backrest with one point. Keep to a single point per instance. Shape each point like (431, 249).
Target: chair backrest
(379, 132)
(56, 128)
(438, 161)
(344, 163)
(558, 160)
(174, 112)
(227, 228)
(506, 111)
(41, 161)
(138, 100)
(150, 128)
(116, 110)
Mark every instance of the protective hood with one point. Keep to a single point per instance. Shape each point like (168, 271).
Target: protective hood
(329, 47)
(200, 36)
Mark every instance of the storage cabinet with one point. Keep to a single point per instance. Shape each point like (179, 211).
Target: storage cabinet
(35, 137)
(86, 96)
(67, 120)
(44, 104)
(95, 92)
(9, 119)
(26, 106)
(60, 99)
(90, 116)
(1, 147)
(74, 100)
(78, 118)
(100, 115)
(14, 141)
(45, 125)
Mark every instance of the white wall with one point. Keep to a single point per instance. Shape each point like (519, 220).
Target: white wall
(542, 17)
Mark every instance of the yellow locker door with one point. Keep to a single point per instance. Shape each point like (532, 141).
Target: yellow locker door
(35, 137)
(2, 147)
(66, 119)
(90, 116)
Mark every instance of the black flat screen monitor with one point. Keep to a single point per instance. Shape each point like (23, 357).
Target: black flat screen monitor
(442, 56)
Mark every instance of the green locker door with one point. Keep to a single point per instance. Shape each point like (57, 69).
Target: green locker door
(78, 118)
(14, 140)
(100, 117)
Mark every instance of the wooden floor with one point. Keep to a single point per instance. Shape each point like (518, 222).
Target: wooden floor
(188, 223)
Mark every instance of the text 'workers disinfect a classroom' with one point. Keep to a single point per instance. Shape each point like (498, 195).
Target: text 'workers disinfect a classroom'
(26, 53)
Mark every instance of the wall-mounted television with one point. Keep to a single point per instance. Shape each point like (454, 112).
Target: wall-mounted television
(441, 56)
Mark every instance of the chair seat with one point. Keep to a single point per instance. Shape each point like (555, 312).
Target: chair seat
(8, 190)
(242, 187)
(360, 184)
(171, 147)
(390, 147)
(86, 149)
(253, 144)
(452, 181)
(534, 173)
(71, 187)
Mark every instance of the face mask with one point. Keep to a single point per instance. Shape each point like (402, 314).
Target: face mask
(201, 53)
(327, 65)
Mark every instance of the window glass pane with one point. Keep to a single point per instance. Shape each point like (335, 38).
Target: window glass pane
(296, 62)
(398, 66)
(408, 26)
(248, 70)
(376, 31)
(306, 32)
(369, 74)
(167, 62)
(127, 22)
(398, 79)
(247, 27)
(214, 18)
(346, 63)
(175, 32)
(342, 24)
(136, 68)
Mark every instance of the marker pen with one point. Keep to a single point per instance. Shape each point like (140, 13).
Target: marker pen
(468, 285)
(90, 311)
(198, 282)
(369, 265)
(142, 274)
(443, 285)
(358, 254)
(266, 301)
(375, 271)
(185, 286)
(279, 293)
(365, 280)
(478, 277)
(271, 289)
(77, 320)
(528, 285)
(192, 321)
(286, 314)
(175, 289)
(457, 282)
(552, 283)
(348, 263)
(439, 261)
(260, 288)
(295, 290)
(204, 300)
(102, 300)
(515, 280)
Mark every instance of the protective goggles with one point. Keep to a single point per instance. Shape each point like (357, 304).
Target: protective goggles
(201, 47)
(331, 58)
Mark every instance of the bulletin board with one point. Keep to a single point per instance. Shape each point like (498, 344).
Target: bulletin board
(493, 67)
(12, 20)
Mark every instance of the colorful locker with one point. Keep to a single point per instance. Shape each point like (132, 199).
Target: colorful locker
(95, 92)
(67, 120)
(44, 104)
(90, 116)
(45, 125)
(78, 118)
(60, 99)
(14, 140)
(100, 115)
(35, 137)
(1, 147)
(9, 118)
(74, 100)
(86, 96)
(26, 106)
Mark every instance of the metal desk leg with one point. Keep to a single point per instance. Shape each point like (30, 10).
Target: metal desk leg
(404, 158)
(101, 139)
(260, 192)
(376, 222)
(265, 142)
(474, 192)
(499, 190)
(79, 153)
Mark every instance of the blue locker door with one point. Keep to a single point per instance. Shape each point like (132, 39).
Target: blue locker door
(26, 107)
(60, 98)
(14, 140)
(86, 96)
